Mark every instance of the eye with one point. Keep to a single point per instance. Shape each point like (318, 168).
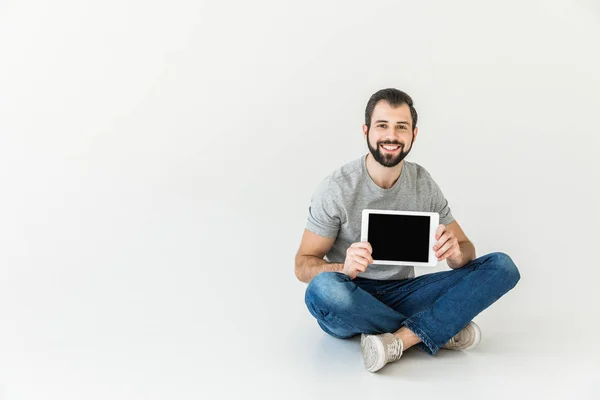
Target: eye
(381, 125)
(402, 126)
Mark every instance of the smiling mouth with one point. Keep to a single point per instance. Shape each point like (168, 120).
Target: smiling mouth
(390, 148)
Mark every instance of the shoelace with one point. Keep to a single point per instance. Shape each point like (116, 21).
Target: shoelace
(457, 340)
(395, 350)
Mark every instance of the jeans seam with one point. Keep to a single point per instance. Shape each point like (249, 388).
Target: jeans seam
(339, 321)
(326, 314)
(328, 331)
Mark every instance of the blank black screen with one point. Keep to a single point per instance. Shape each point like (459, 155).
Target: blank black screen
(399, 237)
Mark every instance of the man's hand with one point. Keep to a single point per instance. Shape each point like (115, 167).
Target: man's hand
(447, 246)
(358, 258)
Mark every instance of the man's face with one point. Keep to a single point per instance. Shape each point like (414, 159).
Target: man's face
(390, 127)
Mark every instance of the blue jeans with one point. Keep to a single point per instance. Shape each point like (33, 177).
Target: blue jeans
(434, 306)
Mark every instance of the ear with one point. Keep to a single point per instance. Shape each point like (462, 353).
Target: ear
(365, 129)
(416, 133)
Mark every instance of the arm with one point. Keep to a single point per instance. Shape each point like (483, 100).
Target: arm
(309, 258)
(468, 254)
(307, 267)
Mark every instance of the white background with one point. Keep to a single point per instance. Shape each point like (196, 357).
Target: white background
(157, 161)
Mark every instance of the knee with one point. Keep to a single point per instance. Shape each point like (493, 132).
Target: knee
(507, 267)
(329, 291)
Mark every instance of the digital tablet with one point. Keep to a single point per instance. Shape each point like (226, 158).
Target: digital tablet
(401, 237)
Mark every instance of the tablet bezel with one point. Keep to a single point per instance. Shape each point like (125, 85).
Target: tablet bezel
(434, 223)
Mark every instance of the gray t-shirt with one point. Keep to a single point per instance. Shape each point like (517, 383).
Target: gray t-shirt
(336, 208)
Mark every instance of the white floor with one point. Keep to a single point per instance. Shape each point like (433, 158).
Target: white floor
(156, 325)
(519, 357)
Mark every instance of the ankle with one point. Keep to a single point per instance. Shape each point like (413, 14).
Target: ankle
(407, 337)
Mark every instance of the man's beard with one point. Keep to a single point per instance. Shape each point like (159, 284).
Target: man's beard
(386, 159)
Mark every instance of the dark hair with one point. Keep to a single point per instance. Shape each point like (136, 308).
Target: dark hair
(393, 96)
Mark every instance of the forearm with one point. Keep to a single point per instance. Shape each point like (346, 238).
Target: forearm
(307, 267)
(468, 254)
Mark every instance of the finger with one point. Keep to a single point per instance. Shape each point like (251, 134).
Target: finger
(440, 229)
(443, 250)
(359, 260)
(361, 269)
(362, 245)
(367, 255)
(441, 241)
(446, 255)
(363, 253)
(447, 250)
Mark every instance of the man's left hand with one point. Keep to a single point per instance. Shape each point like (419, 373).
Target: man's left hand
(446, 245)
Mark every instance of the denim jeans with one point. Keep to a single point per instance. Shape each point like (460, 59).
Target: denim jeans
(434, 306)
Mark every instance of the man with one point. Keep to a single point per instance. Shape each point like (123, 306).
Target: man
(388, 305)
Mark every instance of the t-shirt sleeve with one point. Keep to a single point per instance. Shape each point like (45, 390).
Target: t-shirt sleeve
(324, 216)
(440, 204)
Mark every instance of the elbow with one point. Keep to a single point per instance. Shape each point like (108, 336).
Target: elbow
(300, 275)
(297, 269)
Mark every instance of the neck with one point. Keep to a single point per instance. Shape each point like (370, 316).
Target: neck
(383, 177)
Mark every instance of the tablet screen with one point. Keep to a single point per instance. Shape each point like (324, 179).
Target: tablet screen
(399, 237)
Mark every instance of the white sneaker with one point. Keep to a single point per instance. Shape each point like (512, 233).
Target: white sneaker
(378, 350)
(468, 338)
(363, 336)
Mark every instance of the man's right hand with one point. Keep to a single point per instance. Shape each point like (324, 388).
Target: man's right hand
(358, 258)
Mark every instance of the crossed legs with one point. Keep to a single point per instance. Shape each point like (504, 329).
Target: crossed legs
(427, 310)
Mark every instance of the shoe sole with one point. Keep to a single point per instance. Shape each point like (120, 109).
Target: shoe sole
(373, 345)
(477, 336)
